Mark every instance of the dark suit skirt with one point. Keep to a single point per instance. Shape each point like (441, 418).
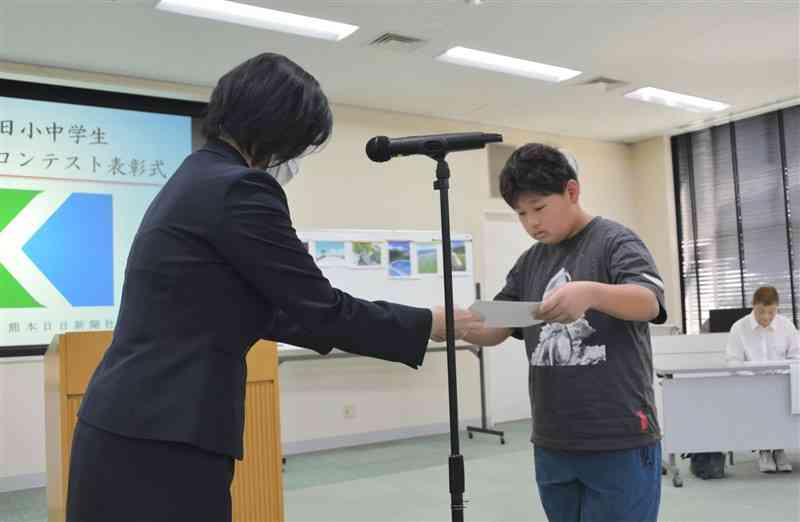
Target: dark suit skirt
(118, 479)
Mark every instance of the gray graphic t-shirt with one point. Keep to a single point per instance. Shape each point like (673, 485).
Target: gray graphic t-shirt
(590, 381)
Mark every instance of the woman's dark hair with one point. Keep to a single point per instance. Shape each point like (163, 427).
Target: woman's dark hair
(272, 108)
(536, 168)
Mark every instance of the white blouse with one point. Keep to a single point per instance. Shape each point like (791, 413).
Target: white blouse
(748, 341)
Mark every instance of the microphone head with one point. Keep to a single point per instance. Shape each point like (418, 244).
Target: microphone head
(378, 149)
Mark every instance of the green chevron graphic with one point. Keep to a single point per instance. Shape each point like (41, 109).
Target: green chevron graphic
(12, 295)
(12, 202)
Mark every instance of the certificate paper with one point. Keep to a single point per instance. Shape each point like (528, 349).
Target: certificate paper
(507, 314)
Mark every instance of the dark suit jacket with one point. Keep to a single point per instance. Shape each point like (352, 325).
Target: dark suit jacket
(215, 266)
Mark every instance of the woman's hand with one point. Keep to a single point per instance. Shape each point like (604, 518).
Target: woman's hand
(463, 320)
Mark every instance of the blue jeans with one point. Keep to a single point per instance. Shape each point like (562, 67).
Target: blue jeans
(603, 486)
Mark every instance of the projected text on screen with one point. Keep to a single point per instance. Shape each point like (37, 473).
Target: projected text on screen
(75, 181)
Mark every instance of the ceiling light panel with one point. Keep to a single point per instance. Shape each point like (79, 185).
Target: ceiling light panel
(259, 17)
(506, 64)
(676, 100)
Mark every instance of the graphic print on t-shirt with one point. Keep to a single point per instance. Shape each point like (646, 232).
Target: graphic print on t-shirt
(562, 344)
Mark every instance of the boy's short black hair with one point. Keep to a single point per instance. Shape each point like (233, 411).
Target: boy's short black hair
(536, 168)
(272, 108)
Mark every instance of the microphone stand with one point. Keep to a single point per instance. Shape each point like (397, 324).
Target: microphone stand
(456, 461)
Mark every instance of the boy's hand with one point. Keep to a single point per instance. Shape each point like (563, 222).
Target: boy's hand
(568, 303)
(463, 321)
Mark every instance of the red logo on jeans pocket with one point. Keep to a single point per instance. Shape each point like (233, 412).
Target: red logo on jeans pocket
(643, 422)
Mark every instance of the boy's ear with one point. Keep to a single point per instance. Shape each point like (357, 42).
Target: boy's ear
(573, 190)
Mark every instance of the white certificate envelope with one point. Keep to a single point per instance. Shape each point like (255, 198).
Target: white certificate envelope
(507, 314)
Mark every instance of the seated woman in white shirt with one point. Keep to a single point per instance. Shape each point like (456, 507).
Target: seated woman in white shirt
(764, 336)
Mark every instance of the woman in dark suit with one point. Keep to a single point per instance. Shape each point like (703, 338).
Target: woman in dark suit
(215, 266)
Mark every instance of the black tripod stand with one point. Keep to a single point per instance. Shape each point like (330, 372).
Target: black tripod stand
(456, 461)
(436, 147)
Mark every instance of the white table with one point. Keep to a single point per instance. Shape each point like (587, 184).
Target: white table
(732, 408)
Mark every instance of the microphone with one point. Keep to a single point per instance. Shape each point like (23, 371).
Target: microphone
(381, 148)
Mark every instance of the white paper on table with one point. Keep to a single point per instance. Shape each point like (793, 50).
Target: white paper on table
(507, 314)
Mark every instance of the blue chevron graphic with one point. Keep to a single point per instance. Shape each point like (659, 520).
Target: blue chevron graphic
(74, 250)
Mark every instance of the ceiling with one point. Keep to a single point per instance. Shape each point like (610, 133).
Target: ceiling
(744, 53)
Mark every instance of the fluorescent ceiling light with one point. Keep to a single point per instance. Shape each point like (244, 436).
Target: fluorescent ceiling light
(506, 64)
(674, 99)
(243, 14)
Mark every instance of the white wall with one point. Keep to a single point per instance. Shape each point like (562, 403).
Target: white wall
(340, 188)
(389, 401)
(22, 456)
(506, 363)
(656, 222)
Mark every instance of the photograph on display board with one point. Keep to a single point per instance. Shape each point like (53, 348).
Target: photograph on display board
(367, 254)
(459, 256)
(399, 258)
(427, 258)
(330, 252)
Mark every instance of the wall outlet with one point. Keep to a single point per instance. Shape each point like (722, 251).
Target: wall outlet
(349, 411)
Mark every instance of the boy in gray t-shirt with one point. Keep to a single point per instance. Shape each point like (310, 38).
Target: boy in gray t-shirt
(595, 433)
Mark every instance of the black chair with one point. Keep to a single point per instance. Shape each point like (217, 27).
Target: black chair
(720, 320)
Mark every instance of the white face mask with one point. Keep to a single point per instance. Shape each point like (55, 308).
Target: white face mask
(284, 172)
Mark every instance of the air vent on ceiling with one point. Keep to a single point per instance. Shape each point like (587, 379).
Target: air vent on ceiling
(603, 83)
(397, 42)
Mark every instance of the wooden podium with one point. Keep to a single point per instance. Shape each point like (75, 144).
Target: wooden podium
(257, 490)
